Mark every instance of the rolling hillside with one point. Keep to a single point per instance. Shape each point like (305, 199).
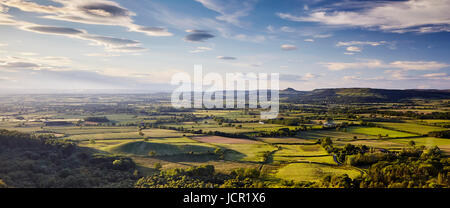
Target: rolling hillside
(360, 95)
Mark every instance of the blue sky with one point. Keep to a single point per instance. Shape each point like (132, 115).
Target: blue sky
(130, 44)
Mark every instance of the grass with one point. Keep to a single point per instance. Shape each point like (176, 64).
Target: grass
(125, 133)
(374, 131)
(287, 140)
(104, 145)
(385, 144)
(320, 159)
(411, 127)
(102, 136)
(245, 127)
(161, 149)
(246, 152)
(312, 172)
(435, 121)
(333, 134)
(76, 130)
(426, 141)
(163, 133)
(301, 150)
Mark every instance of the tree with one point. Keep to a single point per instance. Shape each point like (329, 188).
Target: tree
(3, 184)
(412, 143)
(157, 166)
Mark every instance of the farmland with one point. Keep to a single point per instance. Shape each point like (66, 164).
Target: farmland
(305, 144)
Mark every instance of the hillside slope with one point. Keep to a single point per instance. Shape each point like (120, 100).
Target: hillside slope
(360, 95)
(37, 162)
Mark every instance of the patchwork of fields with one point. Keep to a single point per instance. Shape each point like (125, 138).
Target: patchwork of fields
(297, 157)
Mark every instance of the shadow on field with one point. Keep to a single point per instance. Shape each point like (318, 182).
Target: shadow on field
(205, 157)
(175, 152)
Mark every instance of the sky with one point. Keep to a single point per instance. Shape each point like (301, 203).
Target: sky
(139, 45)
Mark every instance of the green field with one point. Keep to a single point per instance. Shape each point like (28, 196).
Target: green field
(317, 134)
(374, 131)
(443, 144)
(161, 149)
(301, 150)
(239, 140)
(291, 140)
(411, 127)
(312, 172)
(246, 152)
(327, 159)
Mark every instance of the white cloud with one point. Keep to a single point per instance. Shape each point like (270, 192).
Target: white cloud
(414, 15)
(308, 76)
(322, 35)
(287, 29)
(337, 66)
(295, 78)
(353, 49)
(305, 7)
(200, 49)
(270, 28)
(231, 10)
(357, 46)
(309, 40)
(110, 43)
(226, 57)
(28, 54)
(348, 78)
(288, 47)
(353, 43)
(101, 55)
(54, 63)
(418, 65)
(100, 12)
(403, 65)
(435, 75)
(243, 37)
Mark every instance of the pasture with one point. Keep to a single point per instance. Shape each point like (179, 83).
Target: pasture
(312, 172)
(375, 131)
(410, 127)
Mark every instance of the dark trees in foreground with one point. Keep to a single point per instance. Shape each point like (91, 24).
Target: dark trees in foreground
(31, 161)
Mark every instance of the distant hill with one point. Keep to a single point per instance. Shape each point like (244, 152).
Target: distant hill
(359, 95)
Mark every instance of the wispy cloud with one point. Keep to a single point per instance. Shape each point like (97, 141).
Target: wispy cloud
(15, 63)
(200, 49)
(295, 78)
(435, 75)
(353, 43)
(99, 12)
(111, 44)
(404, 65)
(405, 16)
(226, 57)
(357, 46)
(198, 35)
(288, 47)
(353, 49)
(230, 10)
